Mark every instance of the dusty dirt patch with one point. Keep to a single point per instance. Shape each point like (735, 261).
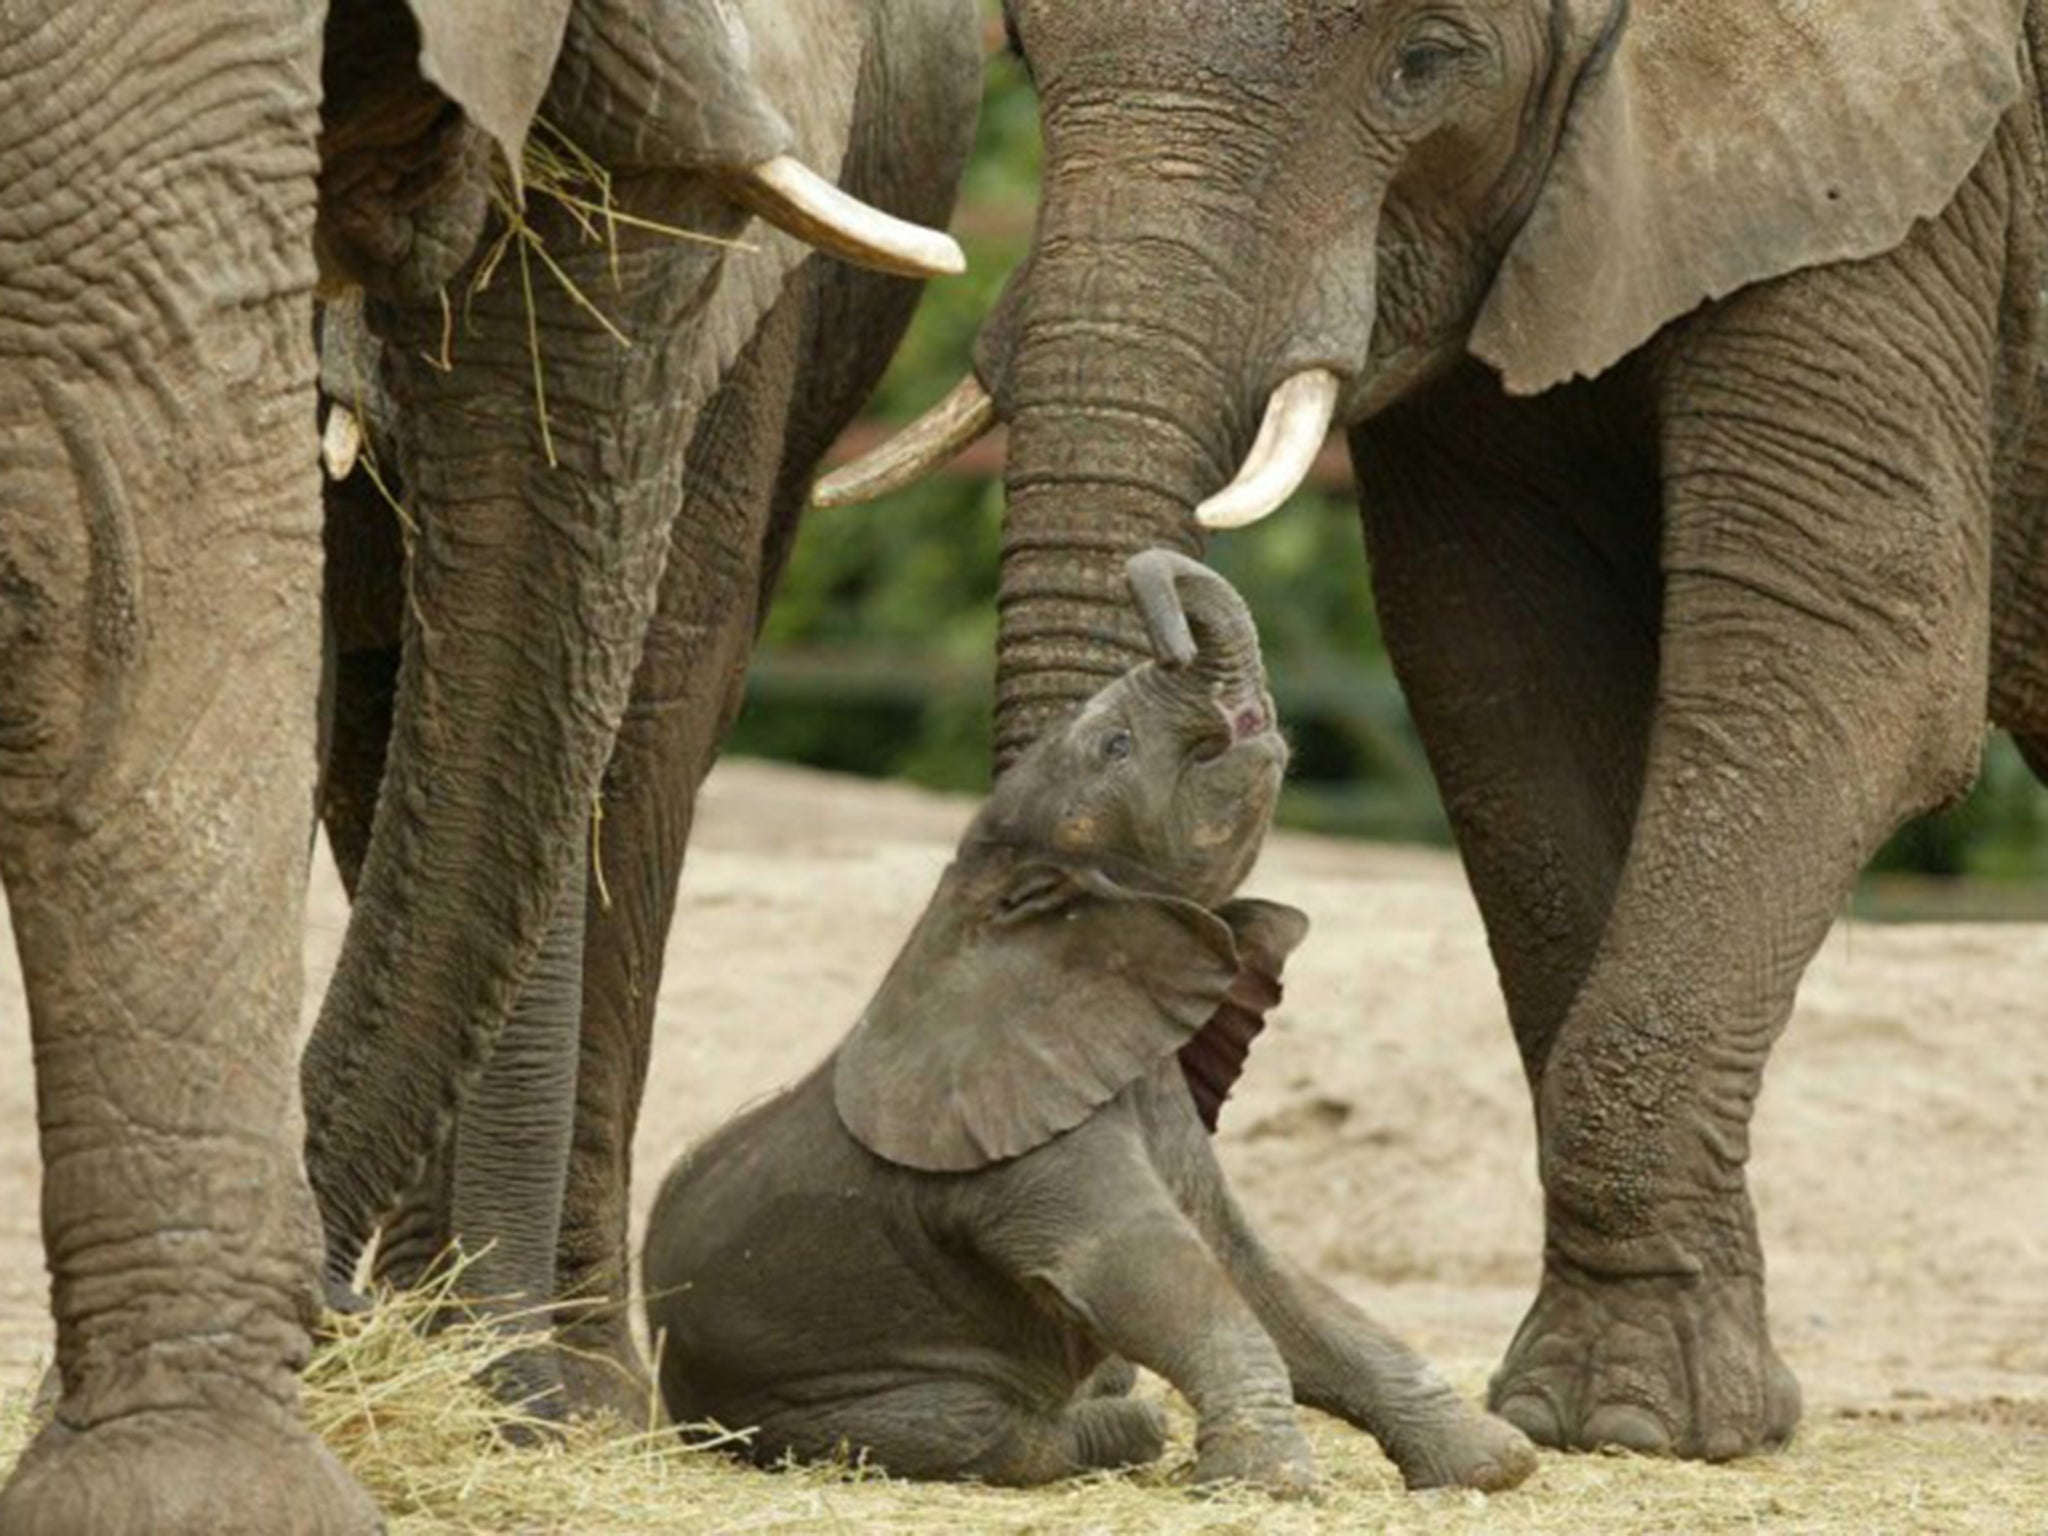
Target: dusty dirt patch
(1383, 1136)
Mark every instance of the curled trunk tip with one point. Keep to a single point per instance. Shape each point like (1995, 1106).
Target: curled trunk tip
(1193, 615)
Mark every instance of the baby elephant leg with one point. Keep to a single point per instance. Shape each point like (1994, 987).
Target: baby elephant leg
(1113, 1432)
(1346, 1364)
(1140, 1279)
(1115, 1377)
(950, 1430)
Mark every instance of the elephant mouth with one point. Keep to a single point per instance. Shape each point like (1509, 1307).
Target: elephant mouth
(1243, 716)
(1246, 716)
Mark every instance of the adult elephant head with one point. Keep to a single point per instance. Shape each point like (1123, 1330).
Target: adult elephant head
(1685, 351)
(577, 452)
(1258, 221)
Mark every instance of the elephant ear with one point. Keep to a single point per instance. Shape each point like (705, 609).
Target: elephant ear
(1710, 146)
(1267, 933)
(1022, 1004)
(492, 58)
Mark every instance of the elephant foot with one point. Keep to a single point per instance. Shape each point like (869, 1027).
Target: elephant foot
(1664, 1365)
(340, 1298)
(527, 1379)
(1113, 1433)
(189, 1472)
(1474, 1450)
(1115, 1377)
(603, 1376)
(1272, 1457)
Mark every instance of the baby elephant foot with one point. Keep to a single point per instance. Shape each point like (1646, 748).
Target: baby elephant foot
(192, 1472)
(1271, 1455)
(1111, 1433)
(1115, 1377)
(1664, 1365)
(1467, 1449)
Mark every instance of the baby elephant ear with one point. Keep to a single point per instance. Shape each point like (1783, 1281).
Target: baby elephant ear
(1021, 1005)
(1714, 145)
(1267, 933)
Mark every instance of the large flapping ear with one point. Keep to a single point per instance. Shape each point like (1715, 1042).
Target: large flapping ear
(1267, 933)
(493, 59)
(1027, 998)
(1711, 146)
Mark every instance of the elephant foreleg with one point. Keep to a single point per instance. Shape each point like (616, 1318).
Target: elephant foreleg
(1823, 677)
(685, 696)
(159, 645)
(505, 1180)
(1515, 575)
(806, 372)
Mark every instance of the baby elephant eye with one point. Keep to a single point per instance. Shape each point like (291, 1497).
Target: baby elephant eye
(1116, 746)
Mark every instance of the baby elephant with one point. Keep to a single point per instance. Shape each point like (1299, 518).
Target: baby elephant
(929, 1250)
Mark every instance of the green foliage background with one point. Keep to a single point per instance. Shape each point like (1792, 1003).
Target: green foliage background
(877, 657)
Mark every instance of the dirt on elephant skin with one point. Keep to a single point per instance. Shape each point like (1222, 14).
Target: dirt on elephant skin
(1382, 1133)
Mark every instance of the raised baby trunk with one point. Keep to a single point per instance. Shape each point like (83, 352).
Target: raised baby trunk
(1197, 621)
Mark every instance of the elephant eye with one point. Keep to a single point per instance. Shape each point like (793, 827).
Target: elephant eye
(1116, 746)
(1420, 64)
(1423, 63)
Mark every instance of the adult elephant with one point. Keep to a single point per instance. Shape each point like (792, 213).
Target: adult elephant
(1689, 358)
(167, 173)
(581, 584)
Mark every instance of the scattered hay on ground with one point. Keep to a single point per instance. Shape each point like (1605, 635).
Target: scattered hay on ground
(404, 1410)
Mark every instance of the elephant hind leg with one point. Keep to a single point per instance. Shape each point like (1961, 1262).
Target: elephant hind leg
(1518, 591)
(942, 1431)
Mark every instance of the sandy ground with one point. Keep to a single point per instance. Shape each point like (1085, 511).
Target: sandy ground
(1382, 1133)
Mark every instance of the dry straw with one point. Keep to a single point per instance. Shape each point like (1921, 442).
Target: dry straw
(402, 1407)
(554, 168)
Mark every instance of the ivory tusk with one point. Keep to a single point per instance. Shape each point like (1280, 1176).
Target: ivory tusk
(1297, 420)
(341, 442)
(797, 200)
(927, 443)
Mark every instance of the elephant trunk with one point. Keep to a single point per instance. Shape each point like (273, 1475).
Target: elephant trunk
(1109, 454)
(1195, 618)
(1141, 358)
(529, 591)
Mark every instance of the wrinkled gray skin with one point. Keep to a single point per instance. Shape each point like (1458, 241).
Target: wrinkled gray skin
(1685, 638)
(931, 1250)
(160, 182)
(172, 177)
(569, 635)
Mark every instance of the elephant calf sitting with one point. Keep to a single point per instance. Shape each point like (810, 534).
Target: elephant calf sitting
(926, 1250)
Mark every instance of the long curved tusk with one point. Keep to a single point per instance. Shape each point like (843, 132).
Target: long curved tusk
(341, 442)
(797, 200)
(1297, 420)
(927, 443)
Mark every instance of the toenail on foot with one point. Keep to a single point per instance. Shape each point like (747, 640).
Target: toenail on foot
(1630, 1428)
(1534, 1417)
(1723, 1445)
